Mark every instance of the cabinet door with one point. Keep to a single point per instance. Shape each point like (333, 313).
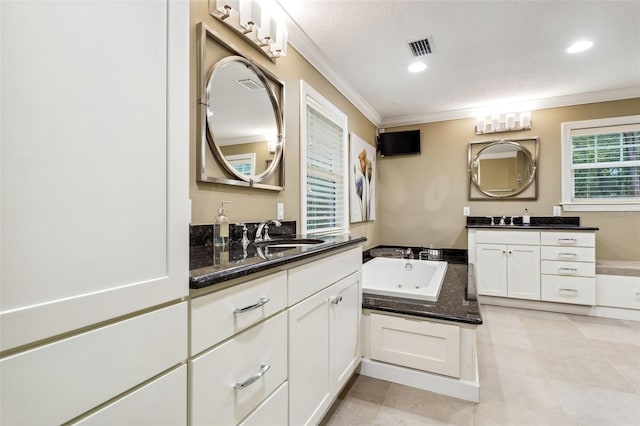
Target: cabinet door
(523, 272)
(491, 269)
(94, 162)
(309, 387)
(345, 310)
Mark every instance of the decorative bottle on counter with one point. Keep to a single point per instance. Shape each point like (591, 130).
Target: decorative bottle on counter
(222, 239)
(526, 219)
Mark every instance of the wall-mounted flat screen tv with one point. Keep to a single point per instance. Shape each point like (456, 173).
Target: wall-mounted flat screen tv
(399, 143)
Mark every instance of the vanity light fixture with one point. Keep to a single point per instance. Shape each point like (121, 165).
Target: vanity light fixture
(256, 21)
(580, 46)
(509, 122)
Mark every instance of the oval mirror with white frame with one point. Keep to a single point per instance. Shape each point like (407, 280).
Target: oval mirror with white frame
(503, 169)
(244, 119)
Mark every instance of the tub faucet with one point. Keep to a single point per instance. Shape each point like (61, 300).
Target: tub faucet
(408, 253)
(262, 233)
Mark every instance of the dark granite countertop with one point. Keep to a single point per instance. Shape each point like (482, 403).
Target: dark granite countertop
(536, 227)
(559, 223)
(457, 301)
(235, 261)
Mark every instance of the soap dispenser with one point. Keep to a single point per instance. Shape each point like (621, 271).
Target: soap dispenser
(526, 219)
(222, 238)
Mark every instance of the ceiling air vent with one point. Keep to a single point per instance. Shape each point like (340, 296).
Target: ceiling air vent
(250, 84)
(420, 48)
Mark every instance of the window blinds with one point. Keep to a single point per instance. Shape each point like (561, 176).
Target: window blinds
(326, 209)
(605, 162)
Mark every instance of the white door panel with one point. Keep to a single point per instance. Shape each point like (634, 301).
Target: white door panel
(94, 158)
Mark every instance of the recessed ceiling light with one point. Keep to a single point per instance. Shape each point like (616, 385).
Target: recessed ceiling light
(580, 46)
(417, 66)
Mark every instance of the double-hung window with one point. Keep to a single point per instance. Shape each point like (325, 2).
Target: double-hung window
(601, 164)
(323, 170)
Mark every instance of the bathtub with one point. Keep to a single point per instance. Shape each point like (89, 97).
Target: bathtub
(413, 279)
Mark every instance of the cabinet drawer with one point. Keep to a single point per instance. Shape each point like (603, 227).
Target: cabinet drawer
(578, 254)
(258, 353)
(222, 314)
(568, 239)
(91, 367)
(308, 279)
(162, 402)
(273, 411)
(508, 237)
(577, 290)
(618, 291)
(423, 345)
(571, 269)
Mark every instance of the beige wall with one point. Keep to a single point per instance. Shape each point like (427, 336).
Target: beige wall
(252, 204)
(421, 197)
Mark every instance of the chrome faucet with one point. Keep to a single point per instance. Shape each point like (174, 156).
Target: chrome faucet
(262, 232)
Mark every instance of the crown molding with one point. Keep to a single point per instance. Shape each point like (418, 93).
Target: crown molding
(312, 53)
(300, 41)
(532, 105)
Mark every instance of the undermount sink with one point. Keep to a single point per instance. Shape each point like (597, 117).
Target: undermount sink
(290, 243)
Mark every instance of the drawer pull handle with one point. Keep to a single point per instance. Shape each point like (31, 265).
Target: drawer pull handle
(336, 300)
(263, 370)
(565, 254)
(568, 271)
(568, 291)
(573, 241)
(261, 302)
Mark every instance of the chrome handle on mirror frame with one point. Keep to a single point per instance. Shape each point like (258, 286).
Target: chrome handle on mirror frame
(261, 302)
(263, 370)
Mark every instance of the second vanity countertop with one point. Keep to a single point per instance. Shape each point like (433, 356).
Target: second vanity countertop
(557, 223)
(235, 261)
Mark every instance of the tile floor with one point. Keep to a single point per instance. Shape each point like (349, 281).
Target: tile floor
(536, 368)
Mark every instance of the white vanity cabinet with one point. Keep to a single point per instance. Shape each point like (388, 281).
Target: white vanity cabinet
(568, 267)
(277, 349)
(324, 326)
(508, 264)
(545, 265)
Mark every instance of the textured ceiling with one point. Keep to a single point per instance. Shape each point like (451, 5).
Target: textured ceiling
(486, 54)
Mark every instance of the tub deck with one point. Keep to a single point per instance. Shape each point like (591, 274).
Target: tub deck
(457, 301)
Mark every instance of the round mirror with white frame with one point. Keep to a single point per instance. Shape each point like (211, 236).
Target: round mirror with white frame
(502, 169)
(244, 120)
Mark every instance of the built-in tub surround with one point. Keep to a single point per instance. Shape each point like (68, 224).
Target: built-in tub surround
(429, 345)
(456, 302)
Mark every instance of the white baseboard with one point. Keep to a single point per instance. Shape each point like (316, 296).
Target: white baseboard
(563, 308)
(457, 388)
